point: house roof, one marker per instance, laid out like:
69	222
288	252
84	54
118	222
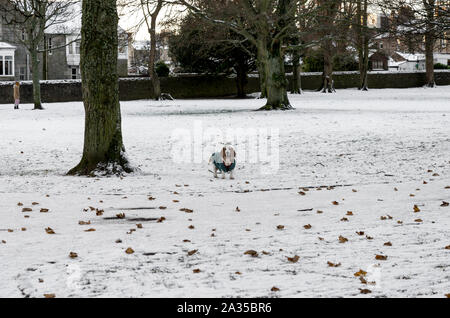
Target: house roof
7	46
412	57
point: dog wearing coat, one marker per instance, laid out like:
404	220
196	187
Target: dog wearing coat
224	161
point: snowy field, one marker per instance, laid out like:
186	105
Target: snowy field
352	166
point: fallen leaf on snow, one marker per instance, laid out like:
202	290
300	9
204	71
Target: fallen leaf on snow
343	239
360	233
365	291
49	230
388	244
416	209
190	253
44	210
73	255
120	216
90	230
360	273
49	295
196	271
294	259
307	226
161	219
129	251
84	222
331	264
335	203
251	253
280	227
381	257
275	289
186	210
27	210
139	226
444	204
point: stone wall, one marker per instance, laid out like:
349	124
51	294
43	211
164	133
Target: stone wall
193	86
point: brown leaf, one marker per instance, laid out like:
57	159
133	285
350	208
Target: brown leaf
27	210
73	255
365	291
360	233
418	220
369	237
275	289
120	216
319	211
186	241
90	230
447	247
447	295
416	209
302	193
3	242
44	210
23	229
163	208
400	222
388	244
335	203
186	210
49	295
99	212
175	201
35	203
20	204
118	241
196	271
151	198
354	190
307	226
84	222
161	219
237	209
252	253
344	220
190	253
191	227
381	257
349	213
294	259
139	226
280	227
129	251
331	264
49	230
360	273
444	204
343	239
10	230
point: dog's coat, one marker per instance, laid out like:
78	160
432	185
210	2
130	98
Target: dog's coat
224	161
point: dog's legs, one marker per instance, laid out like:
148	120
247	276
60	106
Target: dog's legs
215	172
223	174
232	175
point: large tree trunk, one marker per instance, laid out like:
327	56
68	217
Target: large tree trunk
261	62
276	82
241	79
36	83
327	75
152	61
429	60
296	74
103	153
363	43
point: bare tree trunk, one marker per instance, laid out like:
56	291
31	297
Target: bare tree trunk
241	79
296	72
363	43
327	75
261	61
152	61
104	152
429	60
36	83
276	82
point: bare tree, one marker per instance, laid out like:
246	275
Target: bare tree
33	18
265	24
426	22
104	152
362	42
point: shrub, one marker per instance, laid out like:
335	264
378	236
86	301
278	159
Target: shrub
439	66
162	69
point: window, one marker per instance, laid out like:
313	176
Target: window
49	46
377	65
22	73
6	65
448	62
77	47
74	73
381	45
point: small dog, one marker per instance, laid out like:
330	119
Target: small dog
224	161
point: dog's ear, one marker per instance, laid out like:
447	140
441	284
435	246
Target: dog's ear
233	153
223	152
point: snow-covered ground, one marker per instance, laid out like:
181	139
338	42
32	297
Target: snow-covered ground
376	148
